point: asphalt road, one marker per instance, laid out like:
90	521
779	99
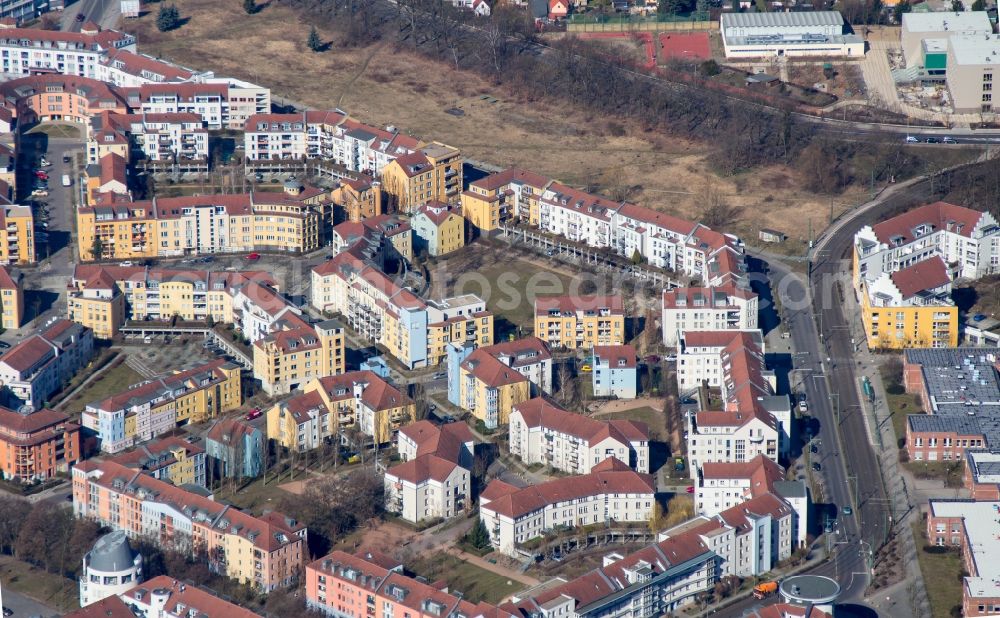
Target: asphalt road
23	607
103	12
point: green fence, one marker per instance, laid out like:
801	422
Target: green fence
662	23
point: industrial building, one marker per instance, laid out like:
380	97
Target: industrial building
814	33
924	36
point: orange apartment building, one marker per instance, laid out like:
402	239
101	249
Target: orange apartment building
36	445
48	97
266	552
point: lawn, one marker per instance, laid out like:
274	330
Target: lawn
111	382
46	588
653	418
476	584
950	472
257	495
901	406
941	574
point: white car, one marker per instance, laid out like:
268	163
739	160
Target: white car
912	140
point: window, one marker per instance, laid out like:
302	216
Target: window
987	98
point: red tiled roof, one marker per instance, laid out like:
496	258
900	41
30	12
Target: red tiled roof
506	177
939	216
437	212
6	280
760	472
113	168
616	354
490	371
444	440
523	351
188	595
657	218
24	355
536	497
109	607
39	420
926	275
709	296
377	395
709	338
229	430
137	63
423	468
540	412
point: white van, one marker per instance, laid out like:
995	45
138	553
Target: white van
66	181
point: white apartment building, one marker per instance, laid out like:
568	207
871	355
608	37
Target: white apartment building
127	69
967	240
41	364
25	51
699	358
208	101
109	569
611	492
433	480
160	137
576	215
331	136
727	307
721	486
753	420
243	99
541	432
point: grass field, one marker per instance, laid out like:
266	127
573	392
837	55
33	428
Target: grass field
653	418
901	406
256	495
46	588
111	382
941	575
476	584
383	85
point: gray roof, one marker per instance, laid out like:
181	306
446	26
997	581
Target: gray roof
960	381
111	553
790	489
782	20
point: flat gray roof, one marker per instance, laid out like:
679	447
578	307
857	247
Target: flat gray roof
782	20
948	21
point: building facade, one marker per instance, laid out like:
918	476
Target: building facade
727	307
40	365
580	323
614	372
111	568
37	445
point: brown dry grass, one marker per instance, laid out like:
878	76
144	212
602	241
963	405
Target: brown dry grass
381	85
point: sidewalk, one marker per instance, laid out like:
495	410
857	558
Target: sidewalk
493	568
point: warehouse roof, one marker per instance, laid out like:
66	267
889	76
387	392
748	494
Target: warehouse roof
782	20
948	21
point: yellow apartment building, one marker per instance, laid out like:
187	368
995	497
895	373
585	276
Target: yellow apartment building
172	459
11	299
360	198
572	323
474	328
329	406
490	201
437	229
434	172
17	244
285	360
489	389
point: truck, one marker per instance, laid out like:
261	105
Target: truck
764	589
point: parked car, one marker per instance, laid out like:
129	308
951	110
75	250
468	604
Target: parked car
253	257
4	345
254	413
932	140
912	140
67	159
979	317
816	466
41	174
40	192
80	17
43	162
847	510
949	140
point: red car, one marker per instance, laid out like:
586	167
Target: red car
254	413
253	257
42	175
690	489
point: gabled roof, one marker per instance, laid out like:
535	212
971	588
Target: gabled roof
937	216
573	304
541	412
926	275
377	394
490	371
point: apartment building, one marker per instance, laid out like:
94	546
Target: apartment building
959	390
163	597
235	448
727	307
432	173
699	357
971	526
17	245
529	356
542	432
265	552
243	100
434	480
359	197
36	445
331	136
208	101
111	567
572	322
49	97
367	584
504	197
26	51
489	388
284	360
415	331
128	69
721	486
899	278
157	137
104	296
611	492
11	299
107	179
438	229
156	406
41	364
330	406
614	372
379	238
176	460
165	227
753	420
